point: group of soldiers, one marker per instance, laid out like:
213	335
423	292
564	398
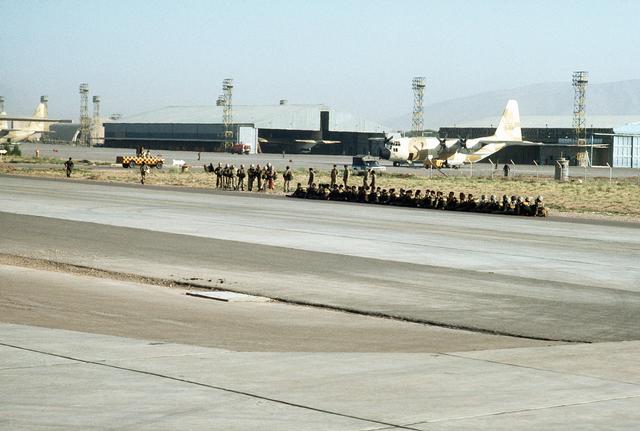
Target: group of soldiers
430	199
263	178
259	178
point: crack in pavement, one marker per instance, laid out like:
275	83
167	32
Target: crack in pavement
205	385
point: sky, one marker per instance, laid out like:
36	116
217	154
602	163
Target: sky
356	56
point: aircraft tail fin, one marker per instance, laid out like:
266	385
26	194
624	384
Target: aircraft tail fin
40	112
509	127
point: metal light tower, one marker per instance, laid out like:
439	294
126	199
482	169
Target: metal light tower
85	123
96	123
1	103
580	80
227	112
417	123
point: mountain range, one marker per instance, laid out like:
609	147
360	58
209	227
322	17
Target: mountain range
546	104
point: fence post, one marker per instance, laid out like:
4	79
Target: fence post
514	168
610	172
492	168
536	163
585	173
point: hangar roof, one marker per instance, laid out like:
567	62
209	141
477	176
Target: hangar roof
288	117
631	128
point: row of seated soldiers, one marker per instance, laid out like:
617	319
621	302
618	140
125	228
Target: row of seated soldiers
432	199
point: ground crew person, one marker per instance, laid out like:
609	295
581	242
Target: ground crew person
144	170
334	176
232	177
68	166
241	174
506	170
287	176
345	176
372	178
312	176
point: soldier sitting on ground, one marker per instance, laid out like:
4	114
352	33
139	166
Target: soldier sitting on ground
299	192
452	202
540	210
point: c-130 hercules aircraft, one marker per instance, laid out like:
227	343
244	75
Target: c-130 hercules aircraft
443	152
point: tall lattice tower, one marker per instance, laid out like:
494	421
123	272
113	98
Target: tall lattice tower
85	122
417	123
1	103
96	123
580	80
227	112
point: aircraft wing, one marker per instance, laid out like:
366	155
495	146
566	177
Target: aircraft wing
316	141
540	144
33	119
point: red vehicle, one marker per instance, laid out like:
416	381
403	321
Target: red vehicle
240	149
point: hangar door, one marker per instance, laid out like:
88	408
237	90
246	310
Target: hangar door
248	135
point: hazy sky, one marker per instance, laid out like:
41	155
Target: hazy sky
357	56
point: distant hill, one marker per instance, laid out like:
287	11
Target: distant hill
607	105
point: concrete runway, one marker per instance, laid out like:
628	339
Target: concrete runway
62	380
518	276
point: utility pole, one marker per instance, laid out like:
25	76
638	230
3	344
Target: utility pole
84	115
580	80
417	123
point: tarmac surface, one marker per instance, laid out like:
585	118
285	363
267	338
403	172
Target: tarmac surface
62	380
526	277
387	318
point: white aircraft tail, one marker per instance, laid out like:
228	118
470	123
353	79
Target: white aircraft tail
509	127
40	112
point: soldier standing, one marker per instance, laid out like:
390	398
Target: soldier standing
312	176
372	177
334	176
365	178
232	177
251	173
287	176
144	170
259	177
241	174
506	170
68	166
218	172
345	176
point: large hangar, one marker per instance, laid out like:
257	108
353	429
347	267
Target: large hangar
271	128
